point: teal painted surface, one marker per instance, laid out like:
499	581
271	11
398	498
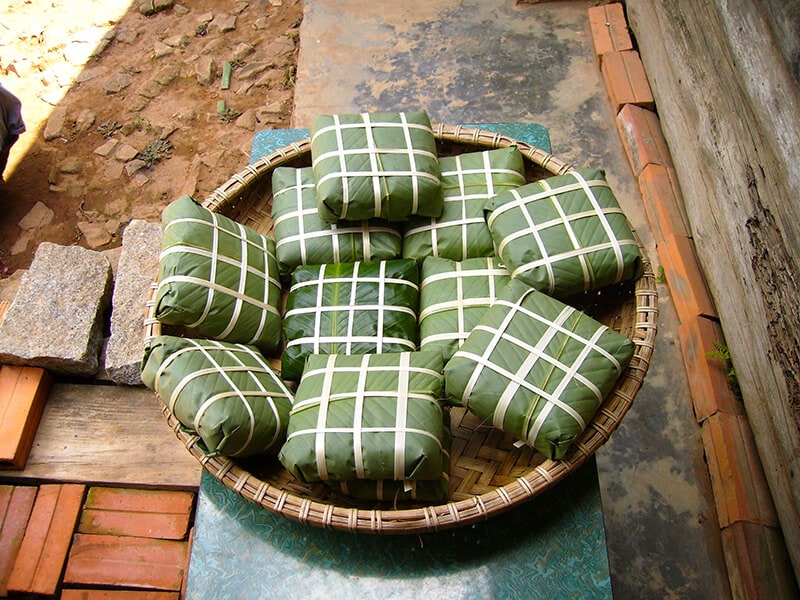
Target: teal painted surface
553	547
270	140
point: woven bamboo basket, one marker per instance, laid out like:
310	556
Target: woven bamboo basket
488	473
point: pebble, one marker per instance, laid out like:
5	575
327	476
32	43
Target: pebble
71	165
39	216
55	124
125	153
205	70
225	23
107	148
117	82
160	50
205	18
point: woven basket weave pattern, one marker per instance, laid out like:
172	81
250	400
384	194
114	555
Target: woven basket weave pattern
488	473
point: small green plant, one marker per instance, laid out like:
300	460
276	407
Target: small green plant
661	277
723	353
154	151
108	128
201	30
229	115
289	80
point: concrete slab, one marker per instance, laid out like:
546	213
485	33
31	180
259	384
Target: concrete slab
472	61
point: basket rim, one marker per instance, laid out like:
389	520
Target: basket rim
435	517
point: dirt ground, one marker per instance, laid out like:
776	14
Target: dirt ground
124	110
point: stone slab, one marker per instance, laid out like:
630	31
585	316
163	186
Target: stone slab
55	321
136	270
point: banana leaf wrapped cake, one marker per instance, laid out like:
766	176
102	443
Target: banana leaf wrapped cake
374	418
303	238
350	308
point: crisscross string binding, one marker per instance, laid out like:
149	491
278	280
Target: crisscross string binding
464	201
459	303
323	342
373	153
400	395
537	352
252	366
522	474
241	298
565	221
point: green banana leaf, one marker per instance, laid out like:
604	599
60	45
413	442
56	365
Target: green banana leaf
564	235
468	181
350	308
375	417
375	165
217	277
454	296
303	238
536	368
226	393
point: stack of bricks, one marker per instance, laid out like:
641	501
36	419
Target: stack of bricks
70	541
746	514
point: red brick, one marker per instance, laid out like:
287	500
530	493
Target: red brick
609	29
23	392
626	81
708	379
737	477
685	278
145	513
117	595
663	202
40	561
123	561
16	503
644	142
758	562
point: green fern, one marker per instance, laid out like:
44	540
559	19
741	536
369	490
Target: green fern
723	353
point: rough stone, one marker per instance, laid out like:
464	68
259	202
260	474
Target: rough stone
125	153
273	79
215	46
85	120
55	321
134	166
160	50
39	216
117	82
138	266
138	104
163	4
205	18
225	23
250	70
180	10
281	47
94	233
55	124
261	23
89	74
107	148
127	36
21	244
113	169
177	41
247	120
243	50
166	75
149	89
71	165
139	179
9	285
205	70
